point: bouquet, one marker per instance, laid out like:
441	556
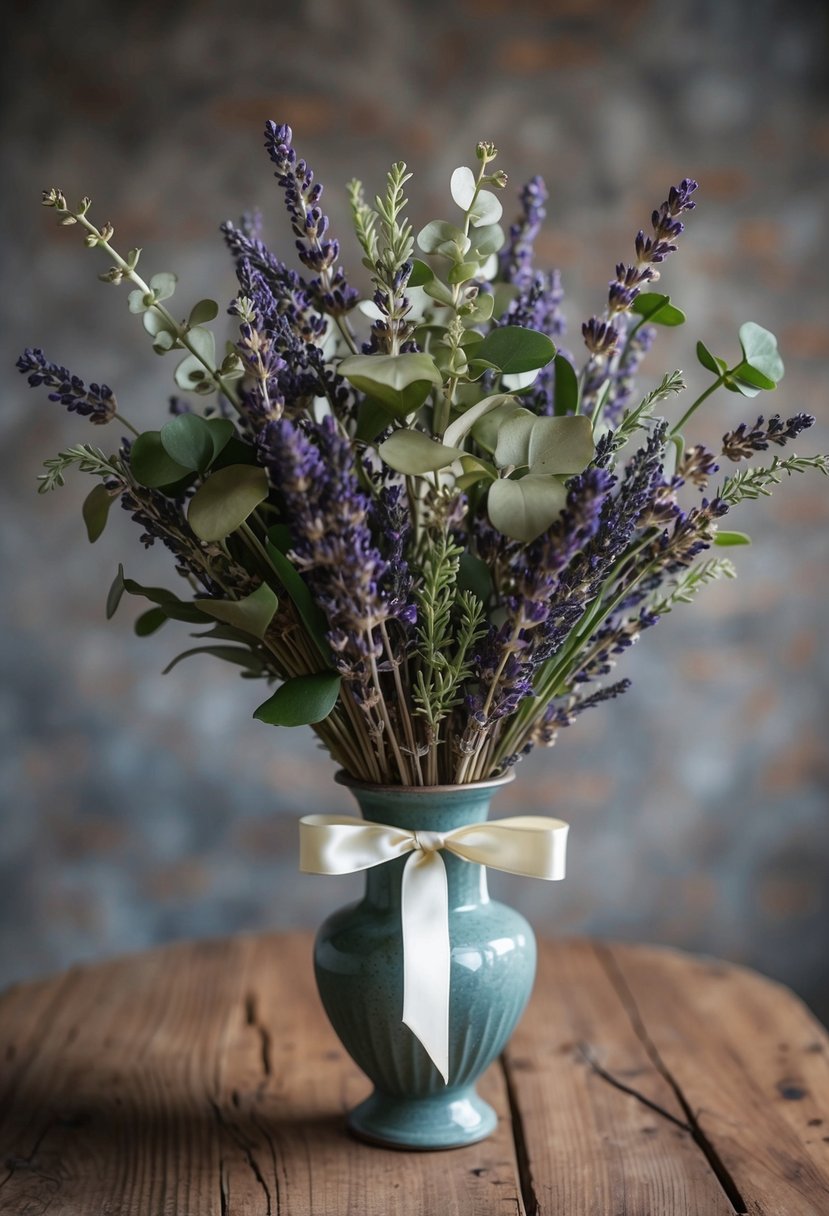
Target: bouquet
429	527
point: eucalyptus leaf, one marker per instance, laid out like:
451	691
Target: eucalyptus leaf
95	511
522	509
760	350
138	301
163	285
372	420
480	310
462	272
201	313
485	430
708	361
252	615
187	439
151	464
727	539
566	392
151	620
115	593
751	376
456	430
561	445
462	186
226	499
302	700
658	309
163	341
230	654
441	237
155	323
486	209
487	239
400	382
222	431
512	348
192	376
203	344
421	274
413	453
437	290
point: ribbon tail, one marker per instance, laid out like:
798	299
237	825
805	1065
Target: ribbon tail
427	955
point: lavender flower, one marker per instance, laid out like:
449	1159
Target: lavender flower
302	195
94	401
742	443
516	258
313	470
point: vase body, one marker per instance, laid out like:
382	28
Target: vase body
358	959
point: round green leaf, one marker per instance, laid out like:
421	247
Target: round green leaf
441	237
151	464
437	290
760	350
487	239
512	348
203	344
204	311
95	511
456	430
561	445
226	499
421	274
192	376
188	440
414	453
222	431
400	382
163	285
115	593
525	508
462	186
301	700
486	209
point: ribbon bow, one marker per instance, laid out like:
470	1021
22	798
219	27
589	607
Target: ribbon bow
531	845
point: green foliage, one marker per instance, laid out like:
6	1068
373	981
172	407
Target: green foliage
83	457
302	700
511	349
189	441
252	614
657	309
443	646
96	510
633	420
760	482
685	588
728	539
414	453
522	509
226	499
400	383
230	654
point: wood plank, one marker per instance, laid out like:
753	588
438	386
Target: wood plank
752	1064
603	1133
204	1079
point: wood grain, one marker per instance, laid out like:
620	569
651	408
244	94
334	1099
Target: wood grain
203	1080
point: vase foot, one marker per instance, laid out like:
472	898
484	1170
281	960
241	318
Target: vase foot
448	1120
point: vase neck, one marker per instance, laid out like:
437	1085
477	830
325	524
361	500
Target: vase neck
439	810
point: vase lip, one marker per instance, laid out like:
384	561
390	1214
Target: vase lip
353	783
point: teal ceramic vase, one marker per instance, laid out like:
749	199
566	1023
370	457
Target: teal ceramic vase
358	959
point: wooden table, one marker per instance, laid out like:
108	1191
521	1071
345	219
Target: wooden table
203	1080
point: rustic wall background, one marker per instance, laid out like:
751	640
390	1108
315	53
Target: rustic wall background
137	808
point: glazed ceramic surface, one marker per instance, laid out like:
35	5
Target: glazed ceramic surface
359	967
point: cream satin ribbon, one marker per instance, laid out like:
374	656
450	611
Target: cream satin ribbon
531	845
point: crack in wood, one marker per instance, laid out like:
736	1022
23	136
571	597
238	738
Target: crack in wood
242	1143
614	973
628	1089
252	1019
526	1182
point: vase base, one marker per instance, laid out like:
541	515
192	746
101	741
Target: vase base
448	1120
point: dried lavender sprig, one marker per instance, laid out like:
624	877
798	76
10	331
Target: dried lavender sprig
94	401
745	440
515	260
602	335
309	224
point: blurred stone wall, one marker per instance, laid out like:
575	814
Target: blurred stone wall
137	808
